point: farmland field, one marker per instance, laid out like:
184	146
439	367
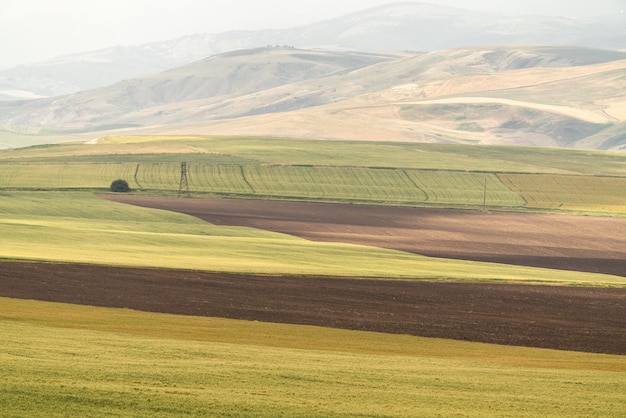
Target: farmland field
403	174
590	194
589	319
82	228
61	360
577	193
349	238
565	242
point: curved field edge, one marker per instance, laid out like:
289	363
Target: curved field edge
126	362
82	228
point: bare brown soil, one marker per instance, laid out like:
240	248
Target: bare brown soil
567	318
565	242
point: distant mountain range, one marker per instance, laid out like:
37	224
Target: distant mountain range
181	93
403	26
402	72
515	95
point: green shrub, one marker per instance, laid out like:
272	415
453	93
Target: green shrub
120	186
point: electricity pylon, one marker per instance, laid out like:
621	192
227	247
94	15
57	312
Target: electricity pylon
183	187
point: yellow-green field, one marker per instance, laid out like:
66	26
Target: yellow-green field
407	174
68	360
64	360
80	227
574	193
293	151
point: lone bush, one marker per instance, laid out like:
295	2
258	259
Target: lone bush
120	186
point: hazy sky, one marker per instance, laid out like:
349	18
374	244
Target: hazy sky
35	30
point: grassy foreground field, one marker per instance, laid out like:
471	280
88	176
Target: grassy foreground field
93	361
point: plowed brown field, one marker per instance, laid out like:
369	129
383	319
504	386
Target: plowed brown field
568	318
565	242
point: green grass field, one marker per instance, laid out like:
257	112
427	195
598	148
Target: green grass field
574	193
83	228
293	151
406	174
46	225
68	360
64	360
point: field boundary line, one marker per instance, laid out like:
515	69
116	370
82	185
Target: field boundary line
404	171
135	176
245	180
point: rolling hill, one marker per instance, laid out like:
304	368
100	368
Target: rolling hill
516	95
228	75
411	26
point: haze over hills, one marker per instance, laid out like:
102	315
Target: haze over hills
144	101
520	95
474	95
405	72
410	26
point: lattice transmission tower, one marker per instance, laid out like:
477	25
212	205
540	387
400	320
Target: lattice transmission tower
183	187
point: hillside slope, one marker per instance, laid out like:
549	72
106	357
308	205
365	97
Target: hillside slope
522	95
581	107
411	26
219	77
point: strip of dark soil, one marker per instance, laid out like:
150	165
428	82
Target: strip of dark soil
567	318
